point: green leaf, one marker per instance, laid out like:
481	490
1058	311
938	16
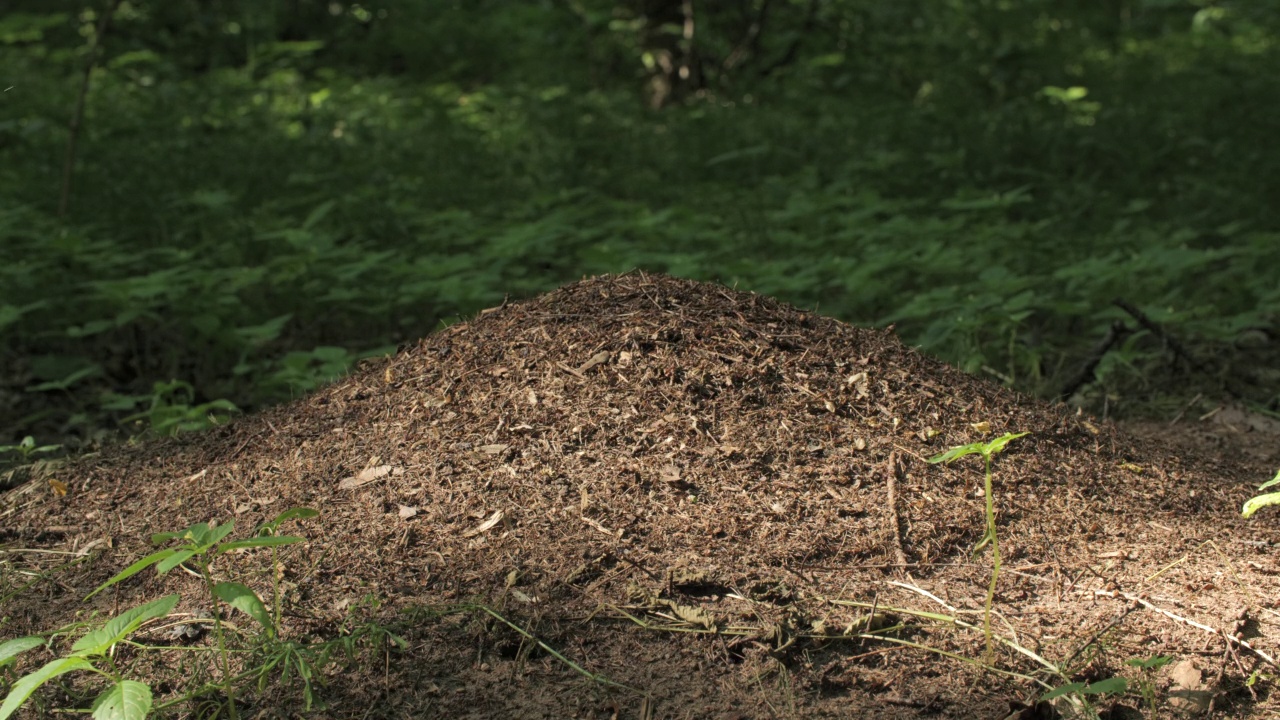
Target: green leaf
119	627
126	700
191	533
1062	690
9	649
1273	481
1256	504
206	535
1110	685
997	445
957	452
133	569
269	541
1152	663
245	600
300	513
27	684
178	557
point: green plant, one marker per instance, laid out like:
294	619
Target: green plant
987	450
125	699
1108	686
171	409
1257	503
25	449
1117	685
130	699
1146	682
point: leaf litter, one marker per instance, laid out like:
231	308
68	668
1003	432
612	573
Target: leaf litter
693	505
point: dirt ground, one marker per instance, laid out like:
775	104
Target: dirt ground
717	506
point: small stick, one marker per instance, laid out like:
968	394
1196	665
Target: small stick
1114	622
69	162
1117	332
1230	638
892	472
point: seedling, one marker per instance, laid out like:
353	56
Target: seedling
1110	686
123	699
1146	683
987	450
1261	501
130	699
25	449
1118	685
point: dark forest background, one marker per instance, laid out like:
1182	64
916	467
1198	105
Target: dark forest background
258	193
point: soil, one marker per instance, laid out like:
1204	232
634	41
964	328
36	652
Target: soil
716	505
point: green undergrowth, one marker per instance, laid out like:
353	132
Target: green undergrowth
246	226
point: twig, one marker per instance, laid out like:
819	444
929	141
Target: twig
1120	616
794	48
1230	638
1185	408
69	163
1117	332
892	472
1169	341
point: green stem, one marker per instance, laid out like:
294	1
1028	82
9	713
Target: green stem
995	561
227	686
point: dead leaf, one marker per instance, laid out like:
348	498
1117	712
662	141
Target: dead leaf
527	599
497	449
59	487
407	511
1189	692
983	427
365	476
595	360
694	615
494	519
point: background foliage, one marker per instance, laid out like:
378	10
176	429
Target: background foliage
266	191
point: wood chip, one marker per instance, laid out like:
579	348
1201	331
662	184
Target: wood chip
494	519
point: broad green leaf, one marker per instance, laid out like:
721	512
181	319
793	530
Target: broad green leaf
268	541
119	627
300	513
133	569
27	684
126	700
1062	690
188	534
957	452
245	600
9	649
1273	481
1256	504
997	445
206	535
1110	685
1152	663
177	558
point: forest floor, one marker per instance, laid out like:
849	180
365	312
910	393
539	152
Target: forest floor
641	497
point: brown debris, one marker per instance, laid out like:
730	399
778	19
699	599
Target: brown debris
672	484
